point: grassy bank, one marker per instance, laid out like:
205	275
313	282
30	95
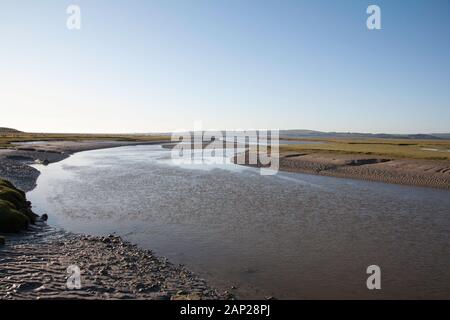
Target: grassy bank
404	148
7	138
15	210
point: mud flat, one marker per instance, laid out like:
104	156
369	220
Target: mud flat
426	173
34	266
416	172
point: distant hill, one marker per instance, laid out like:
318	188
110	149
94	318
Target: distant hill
442	135
300	133
320	134
9	130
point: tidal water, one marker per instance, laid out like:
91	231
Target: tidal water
291	235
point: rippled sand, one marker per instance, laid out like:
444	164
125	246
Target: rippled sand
34	266
426	173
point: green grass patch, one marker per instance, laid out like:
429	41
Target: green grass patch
7	138
414	149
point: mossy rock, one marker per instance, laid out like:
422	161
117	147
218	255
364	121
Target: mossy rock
12	220
4	183
15	210
13	196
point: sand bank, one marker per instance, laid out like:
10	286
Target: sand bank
415	172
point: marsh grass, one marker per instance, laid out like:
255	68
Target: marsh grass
7	138
399	148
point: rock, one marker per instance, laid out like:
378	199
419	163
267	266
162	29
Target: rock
41	288
105	240
191	296
28	286
44	162
15	212
2	240
161	296
44	217
103	272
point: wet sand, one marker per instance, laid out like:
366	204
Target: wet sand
414	172
425	173
33	265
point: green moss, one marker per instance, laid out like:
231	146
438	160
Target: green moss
4	183
13	196
15	211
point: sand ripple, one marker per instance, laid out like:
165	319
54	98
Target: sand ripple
34	266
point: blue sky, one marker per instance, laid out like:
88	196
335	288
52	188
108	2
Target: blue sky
144	66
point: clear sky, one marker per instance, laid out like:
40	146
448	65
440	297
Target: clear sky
145	66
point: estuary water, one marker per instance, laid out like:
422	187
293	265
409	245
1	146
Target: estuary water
291	235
